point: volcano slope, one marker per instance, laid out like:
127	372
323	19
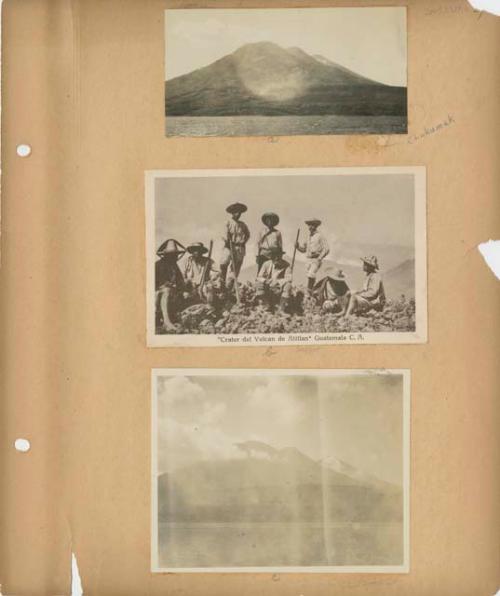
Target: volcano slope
264	79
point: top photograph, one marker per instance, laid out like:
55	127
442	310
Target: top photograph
274	72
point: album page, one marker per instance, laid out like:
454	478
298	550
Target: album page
249	343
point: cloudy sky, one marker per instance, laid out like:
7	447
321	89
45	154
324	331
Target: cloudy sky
371	41
359	212
355	418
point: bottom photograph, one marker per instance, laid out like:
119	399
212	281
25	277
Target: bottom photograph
280	470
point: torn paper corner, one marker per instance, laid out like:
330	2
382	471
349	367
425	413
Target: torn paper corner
491	6
76	582
491	254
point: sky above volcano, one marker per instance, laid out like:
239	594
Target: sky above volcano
356	418
371	41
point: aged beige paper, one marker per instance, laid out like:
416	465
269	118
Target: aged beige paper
83	84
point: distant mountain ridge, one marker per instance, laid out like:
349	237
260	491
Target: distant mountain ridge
279	485
265	79
401	280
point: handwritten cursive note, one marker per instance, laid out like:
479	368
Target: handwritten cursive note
423	134
428	131
452	9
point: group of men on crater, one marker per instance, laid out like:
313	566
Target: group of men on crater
201	281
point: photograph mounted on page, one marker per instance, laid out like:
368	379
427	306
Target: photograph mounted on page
280	470
282	71
286	256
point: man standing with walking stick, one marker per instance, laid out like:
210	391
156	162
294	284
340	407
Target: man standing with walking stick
316	249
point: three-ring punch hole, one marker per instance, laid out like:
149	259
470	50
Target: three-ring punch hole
22	445
23	150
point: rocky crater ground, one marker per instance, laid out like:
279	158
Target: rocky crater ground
303	316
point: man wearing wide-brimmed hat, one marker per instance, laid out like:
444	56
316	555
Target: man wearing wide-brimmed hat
199	273
274	281
316	249
372	296
332	292
269	239
236	236
169	283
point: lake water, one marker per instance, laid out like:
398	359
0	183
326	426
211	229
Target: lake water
279	544
242	126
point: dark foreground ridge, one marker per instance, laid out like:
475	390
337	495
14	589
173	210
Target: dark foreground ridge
305	317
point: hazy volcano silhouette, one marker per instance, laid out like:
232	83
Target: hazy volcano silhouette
264	79
275	485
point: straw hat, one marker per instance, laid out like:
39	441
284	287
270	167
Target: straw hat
237	208
313	222
198	247
270	218
171	247
338	275
372	261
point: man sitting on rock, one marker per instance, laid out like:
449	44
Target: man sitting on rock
372	296
199	275
332	292
274	281
169	283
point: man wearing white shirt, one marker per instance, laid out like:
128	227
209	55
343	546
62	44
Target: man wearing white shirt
316	249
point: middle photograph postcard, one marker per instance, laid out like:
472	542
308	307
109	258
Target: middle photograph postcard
286	256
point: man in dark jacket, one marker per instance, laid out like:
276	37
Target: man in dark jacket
332	292
169	283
